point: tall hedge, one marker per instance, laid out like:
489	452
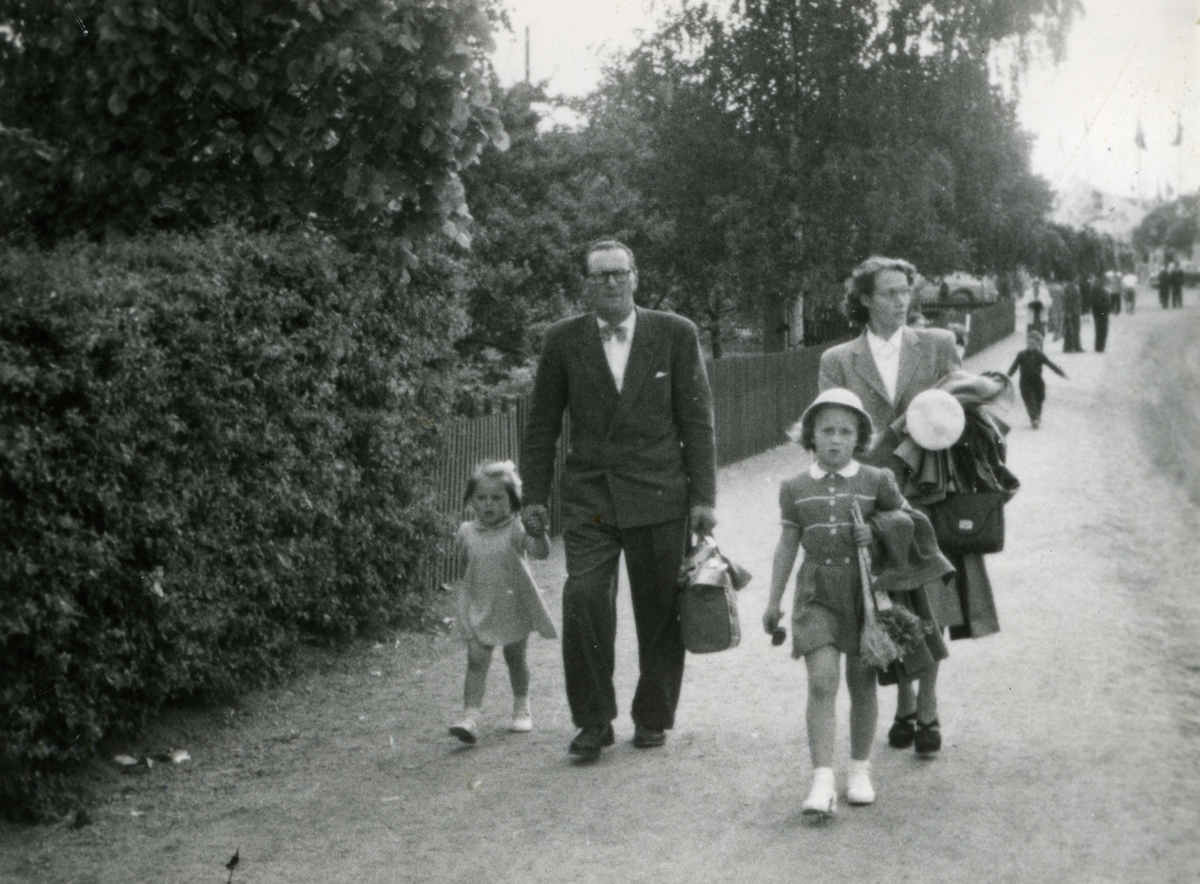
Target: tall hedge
209	448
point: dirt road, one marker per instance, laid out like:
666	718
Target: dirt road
1072	738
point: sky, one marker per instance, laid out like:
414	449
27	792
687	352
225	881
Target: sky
1127	61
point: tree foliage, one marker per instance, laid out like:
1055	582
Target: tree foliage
786	139
179	114
1173	227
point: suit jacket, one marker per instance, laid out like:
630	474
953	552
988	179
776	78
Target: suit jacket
638	457
926	356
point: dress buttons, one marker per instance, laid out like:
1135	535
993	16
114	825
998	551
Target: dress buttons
831	491
846	561
833	518
829	561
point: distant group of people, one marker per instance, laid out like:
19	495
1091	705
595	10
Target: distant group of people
640	480
1170	285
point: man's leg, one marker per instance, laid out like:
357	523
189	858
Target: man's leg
652	557
590	622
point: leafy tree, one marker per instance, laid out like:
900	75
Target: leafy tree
1173	227
127	114
790	138
536	205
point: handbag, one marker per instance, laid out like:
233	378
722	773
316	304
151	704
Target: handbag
970	522
708	611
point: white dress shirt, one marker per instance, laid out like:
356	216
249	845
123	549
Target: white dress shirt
887	359
617	351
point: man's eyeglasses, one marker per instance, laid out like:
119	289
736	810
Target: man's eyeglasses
609	276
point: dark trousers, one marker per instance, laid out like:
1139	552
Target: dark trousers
652	557
1101	321
1071	343
1176	297
1033	394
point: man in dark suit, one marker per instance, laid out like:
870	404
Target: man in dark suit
1176	283
640	474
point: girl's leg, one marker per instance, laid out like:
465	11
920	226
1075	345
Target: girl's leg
479	658
823	677
518	669
864	713
518	676
864	707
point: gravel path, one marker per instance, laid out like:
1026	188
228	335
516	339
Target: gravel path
1072	738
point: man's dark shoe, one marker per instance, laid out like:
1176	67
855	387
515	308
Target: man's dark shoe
648	737
589	741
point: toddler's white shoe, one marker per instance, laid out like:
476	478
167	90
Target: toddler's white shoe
522	723
466	730
822	798
858	783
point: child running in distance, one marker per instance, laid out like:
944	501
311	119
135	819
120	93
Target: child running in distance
498	603
1032	387
827	611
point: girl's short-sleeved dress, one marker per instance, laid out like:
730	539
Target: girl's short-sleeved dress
498	601
828	606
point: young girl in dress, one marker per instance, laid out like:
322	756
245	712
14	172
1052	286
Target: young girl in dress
499	604
827	610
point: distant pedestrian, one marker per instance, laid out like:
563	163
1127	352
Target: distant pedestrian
1112	285
828	607
1176	282
1032	386
1100	304
1129	291
1072	316
1036	323
1164	286
1054	313
498	602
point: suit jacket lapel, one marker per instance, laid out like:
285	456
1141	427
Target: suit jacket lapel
912	356
864	365
595	363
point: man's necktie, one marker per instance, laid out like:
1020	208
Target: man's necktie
612	331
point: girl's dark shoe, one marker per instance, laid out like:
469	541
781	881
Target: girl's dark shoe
902	731
928	738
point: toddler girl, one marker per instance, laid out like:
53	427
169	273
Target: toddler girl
499	604
827	611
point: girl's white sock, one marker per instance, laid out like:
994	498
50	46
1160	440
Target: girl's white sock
823	776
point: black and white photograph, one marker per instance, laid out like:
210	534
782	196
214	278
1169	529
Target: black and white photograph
565	442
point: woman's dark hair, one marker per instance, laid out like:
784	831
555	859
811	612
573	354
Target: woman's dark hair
861	284
802	430
506	472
